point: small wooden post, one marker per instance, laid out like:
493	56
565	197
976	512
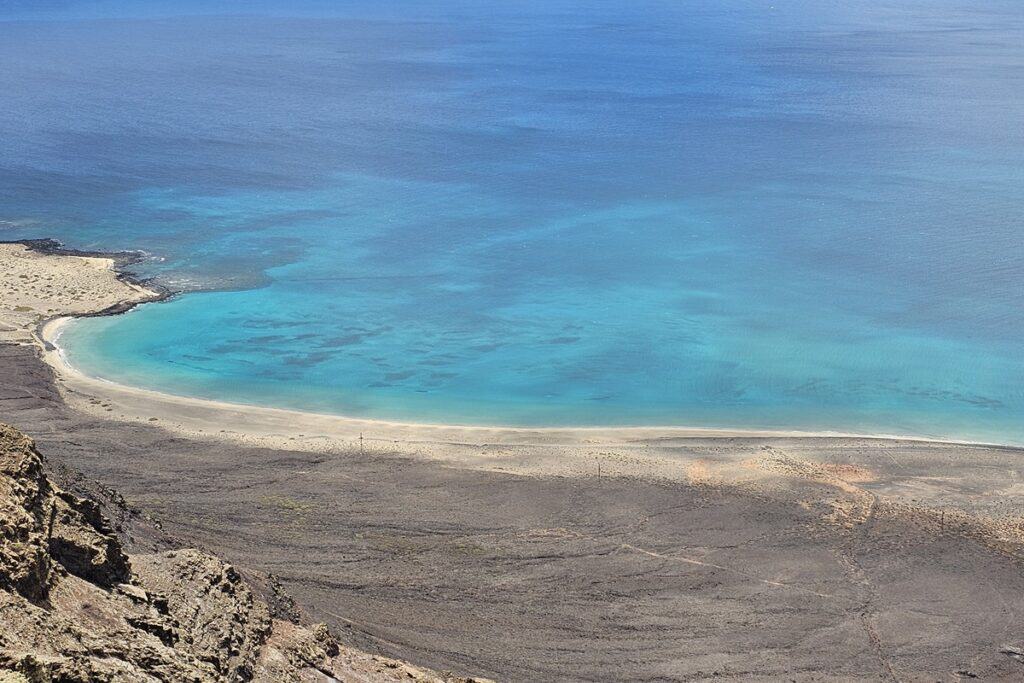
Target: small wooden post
360	443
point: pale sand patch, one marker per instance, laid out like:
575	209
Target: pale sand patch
35	287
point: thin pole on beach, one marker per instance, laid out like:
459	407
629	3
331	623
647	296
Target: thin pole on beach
360	443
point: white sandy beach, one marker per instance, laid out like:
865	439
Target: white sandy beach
42	293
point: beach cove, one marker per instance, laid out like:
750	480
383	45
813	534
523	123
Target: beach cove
694	543
93	285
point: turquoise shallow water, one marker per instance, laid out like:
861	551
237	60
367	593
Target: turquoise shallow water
672	213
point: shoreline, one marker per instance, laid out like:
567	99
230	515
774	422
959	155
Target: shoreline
49	332
267	425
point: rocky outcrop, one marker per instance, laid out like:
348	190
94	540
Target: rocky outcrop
25	505
74	607
215	615
46	531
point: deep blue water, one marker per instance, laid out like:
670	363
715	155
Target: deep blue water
751	214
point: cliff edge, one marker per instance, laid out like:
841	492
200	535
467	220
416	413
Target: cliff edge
74	606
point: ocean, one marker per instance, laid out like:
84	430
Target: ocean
791	215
